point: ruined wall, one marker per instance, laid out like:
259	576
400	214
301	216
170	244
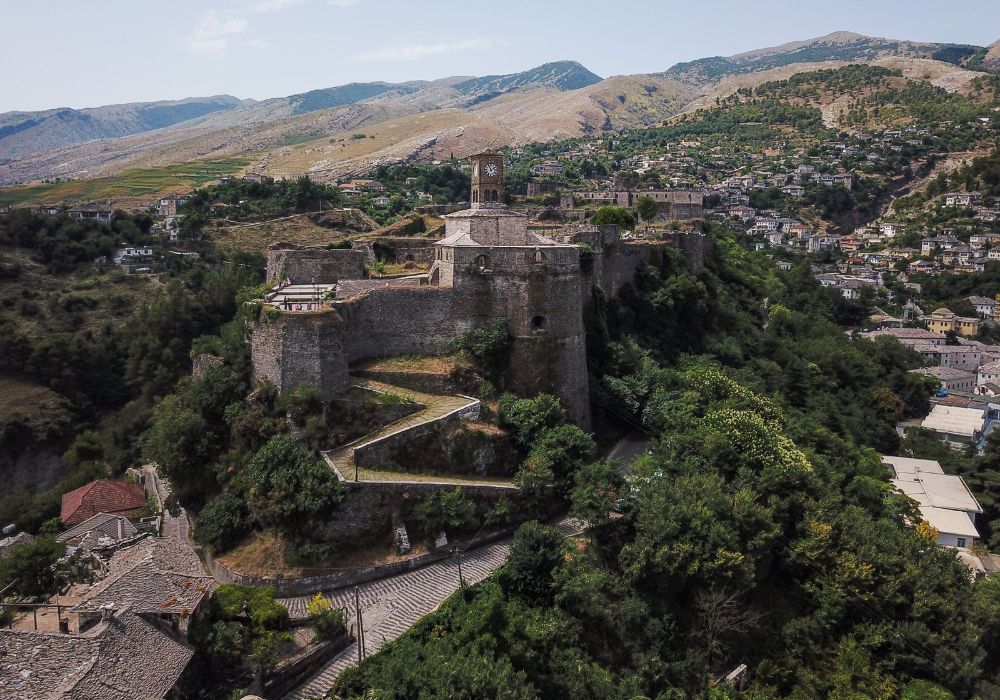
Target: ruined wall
306	265
615	265
402	250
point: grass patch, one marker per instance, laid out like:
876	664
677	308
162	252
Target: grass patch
131	183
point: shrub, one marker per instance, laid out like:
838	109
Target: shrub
528	418
445	511
488	347
325	619
535	553
223	522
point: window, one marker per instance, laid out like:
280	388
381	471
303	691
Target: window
539	257
482	262
960	541
538	323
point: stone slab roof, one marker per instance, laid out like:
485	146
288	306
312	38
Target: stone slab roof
8	543
531	240
124	658
101	496
101	529
156	575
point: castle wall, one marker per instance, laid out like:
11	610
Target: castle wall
301	348
615	265
418	250
306	265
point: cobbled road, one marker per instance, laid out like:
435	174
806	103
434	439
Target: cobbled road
392	606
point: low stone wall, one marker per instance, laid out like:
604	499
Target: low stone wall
378	453
308	585
287	678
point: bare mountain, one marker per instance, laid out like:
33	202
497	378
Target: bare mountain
25	133
320	132
838	46
992	57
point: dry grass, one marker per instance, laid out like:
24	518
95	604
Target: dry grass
39	405
425	478
263	554
300	231
416	364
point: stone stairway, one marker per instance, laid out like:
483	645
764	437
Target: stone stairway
392	606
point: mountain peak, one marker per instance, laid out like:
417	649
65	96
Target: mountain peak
561	75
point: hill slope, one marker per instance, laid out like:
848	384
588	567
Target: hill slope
561	75
319	131
838	46
25	133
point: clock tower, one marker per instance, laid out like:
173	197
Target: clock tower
487	181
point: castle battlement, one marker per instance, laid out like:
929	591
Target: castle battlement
489	267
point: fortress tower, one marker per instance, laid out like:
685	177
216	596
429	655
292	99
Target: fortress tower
488	268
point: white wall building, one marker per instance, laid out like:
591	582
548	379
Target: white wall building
945	500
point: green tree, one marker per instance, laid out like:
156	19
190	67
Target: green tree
535	553
613	215
223	522
290	487
647	208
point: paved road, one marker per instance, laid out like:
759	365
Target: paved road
392	606
629	447
173	526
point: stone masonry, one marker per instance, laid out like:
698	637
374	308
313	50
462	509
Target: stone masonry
489	267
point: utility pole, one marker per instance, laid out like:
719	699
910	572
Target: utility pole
357	616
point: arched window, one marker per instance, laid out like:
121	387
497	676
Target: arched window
475	196
482	262
538	257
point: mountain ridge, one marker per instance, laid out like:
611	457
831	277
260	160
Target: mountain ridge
460	114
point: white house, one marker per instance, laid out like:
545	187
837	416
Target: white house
984	306
944	500
954	425
123	255
951	379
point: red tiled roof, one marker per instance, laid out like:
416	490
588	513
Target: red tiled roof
101	496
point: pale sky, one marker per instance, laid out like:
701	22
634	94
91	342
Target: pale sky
86	53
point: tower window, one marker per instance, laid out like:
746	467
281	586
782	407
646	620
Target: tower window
539	257
482	262
538	323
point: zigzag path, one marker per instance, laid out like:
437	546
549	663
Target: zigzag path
341	460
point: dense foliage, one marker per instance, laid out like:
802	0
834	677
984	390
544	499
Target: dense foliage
761	529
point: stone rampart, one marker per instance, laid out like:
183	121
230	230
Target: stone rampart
319	265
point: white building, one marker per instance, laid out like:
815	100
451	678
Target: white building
951	379
944	500
123	255
956	426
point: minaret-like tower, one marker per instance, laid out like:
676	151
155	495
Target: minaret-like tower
487	180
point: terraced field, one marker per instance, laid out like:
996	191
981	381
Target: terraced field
141	183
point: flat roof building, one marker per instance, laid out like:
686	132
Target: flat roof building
944	500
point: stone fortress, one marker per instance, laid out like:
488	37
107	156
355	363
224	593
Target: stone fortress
489	267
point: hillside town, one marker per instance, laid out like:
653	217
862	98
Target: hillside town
678	405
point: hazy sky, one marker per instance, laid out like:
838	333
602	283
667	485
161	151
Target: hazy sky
85	53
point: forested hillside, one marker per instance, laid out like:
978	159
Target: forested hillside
759	530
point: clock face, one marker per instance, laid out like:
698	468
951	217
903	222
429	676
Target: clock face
490	169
